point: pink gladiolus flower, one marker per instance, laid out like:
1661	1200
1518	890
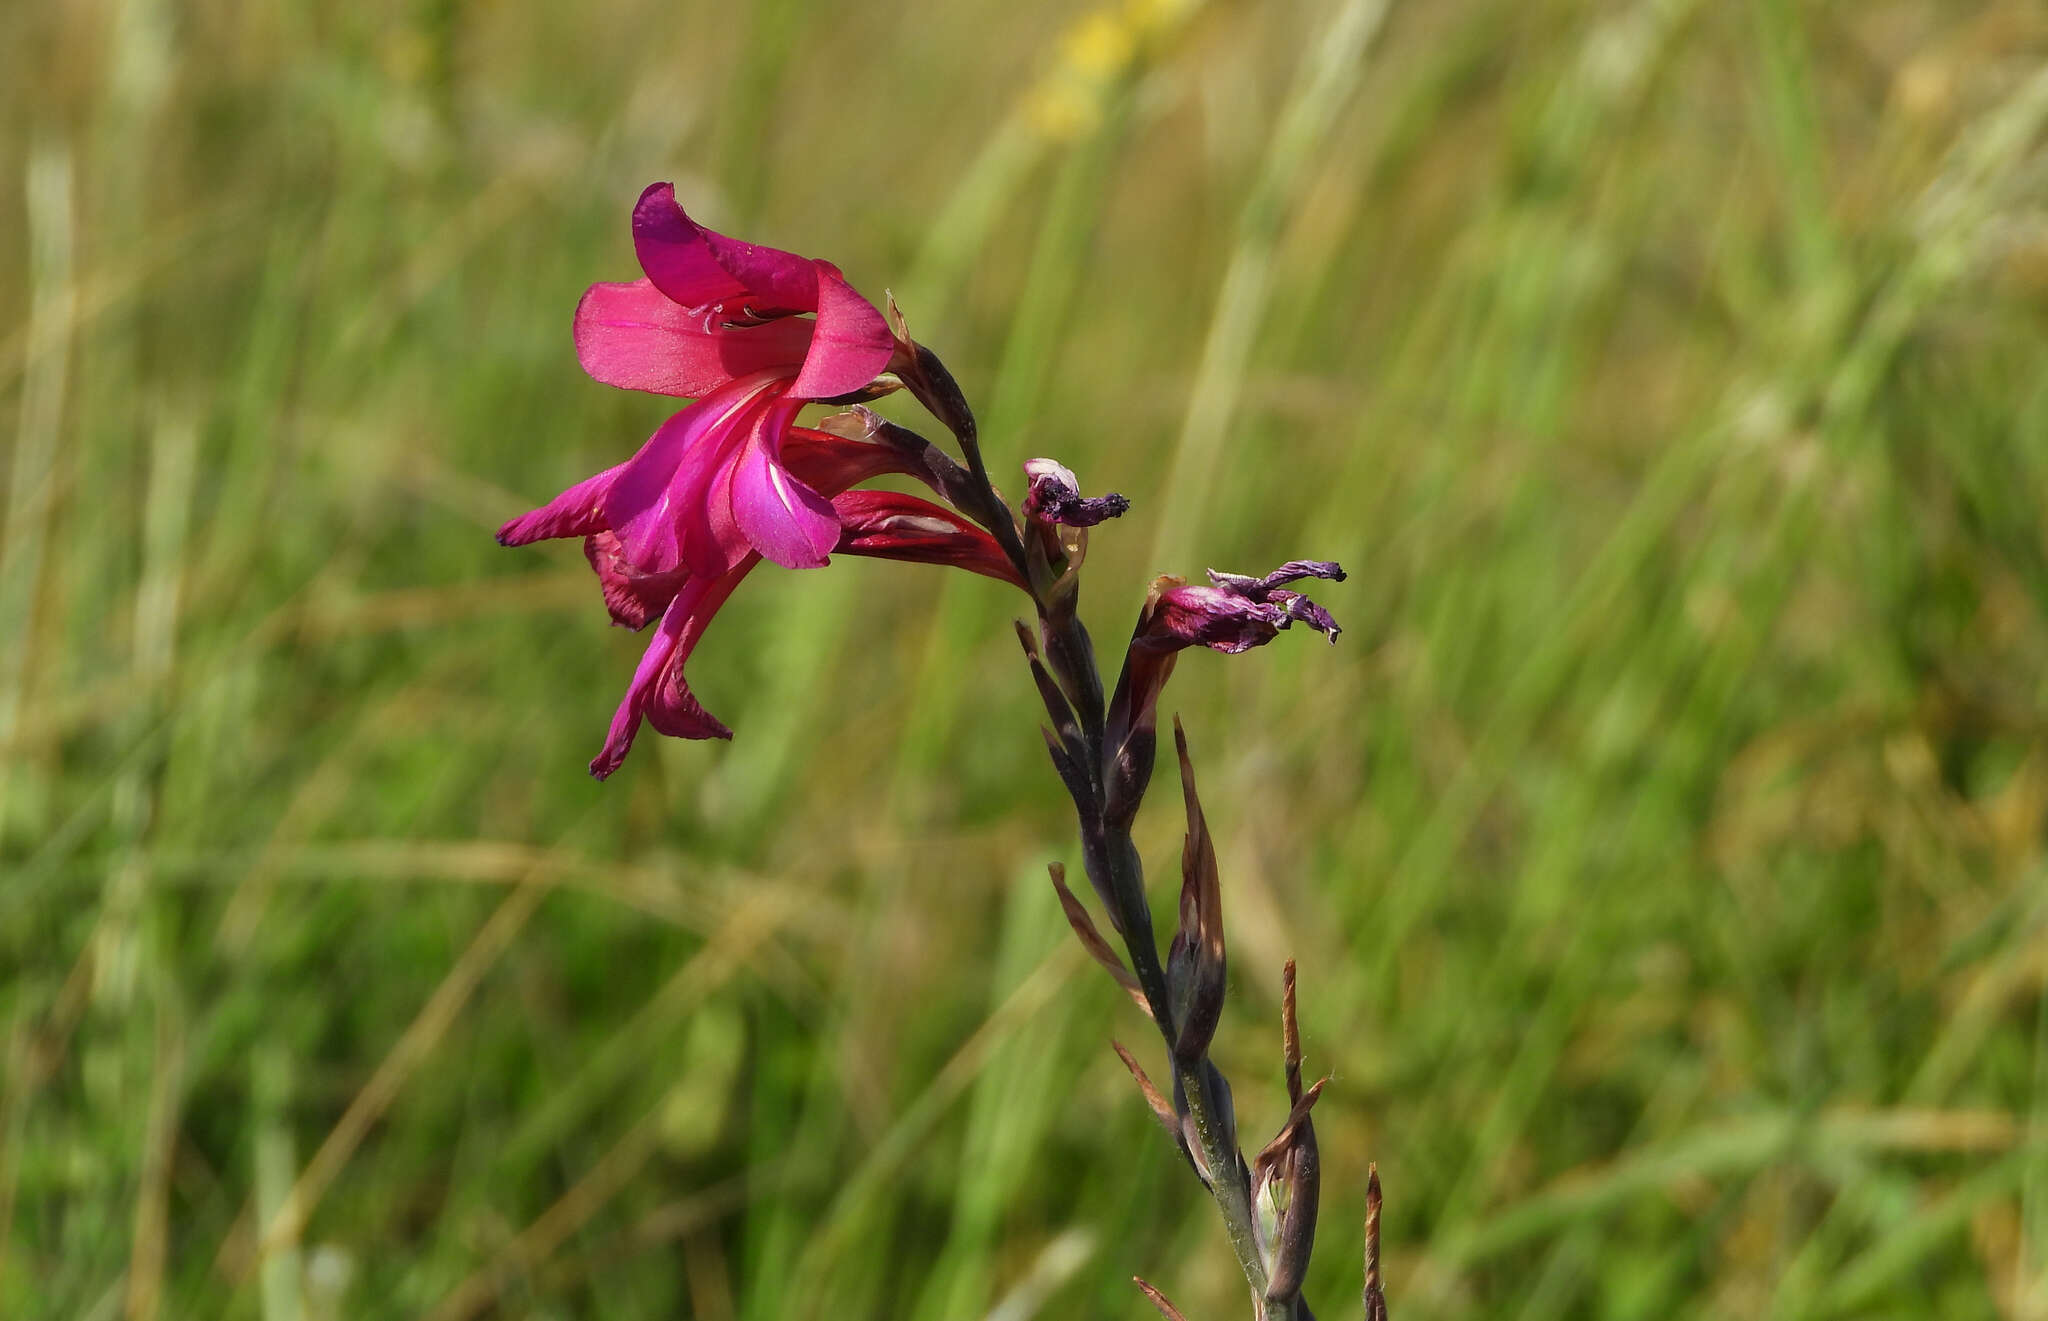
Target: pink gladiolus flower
752	334
728	324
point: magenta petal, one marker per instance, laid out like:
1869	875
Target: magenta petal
673	251
658	692
626	720
576	512
774	280
672	708
659	503
639	507
633	598
635	337
852	344
713	540
784	519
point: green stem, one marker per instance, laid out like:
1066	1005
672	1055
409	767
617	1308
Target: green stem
1219	1153
1114	852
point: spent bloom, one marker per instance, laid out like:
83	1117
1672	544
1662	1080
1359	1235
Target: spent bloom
1234	613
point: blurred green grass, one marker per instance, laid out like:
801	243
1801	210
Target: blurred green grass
1662	846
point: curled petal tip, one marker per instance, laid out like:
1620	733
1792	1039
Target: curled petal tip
1055	497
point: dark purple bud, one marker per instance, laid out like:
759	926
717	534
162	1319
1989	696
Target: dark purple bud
1195	966
1055	497
1290	1035
1056	704
1075	778
1131	730
927	378
1216	1099
1288	1186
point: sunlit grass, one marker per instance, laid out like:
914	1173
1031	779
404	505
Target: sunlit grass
1661	845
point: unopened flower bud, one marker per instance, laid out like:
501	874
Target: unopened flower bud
1287	1174
927	378
1195	965
1291	1184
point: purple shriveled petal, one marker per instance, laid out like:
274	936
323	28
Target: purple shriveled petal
1259	589
1240	611
1302	610
1233	615
1055	497
1222	620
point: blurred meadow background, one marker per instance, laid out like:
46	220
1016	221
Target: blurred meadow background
1662	845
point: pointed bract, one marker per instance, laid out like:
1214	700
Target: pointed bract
1195	963
1092	941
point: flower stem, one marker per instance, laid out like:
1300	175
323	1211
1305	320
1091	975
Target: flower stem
1226	1183
1114	864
